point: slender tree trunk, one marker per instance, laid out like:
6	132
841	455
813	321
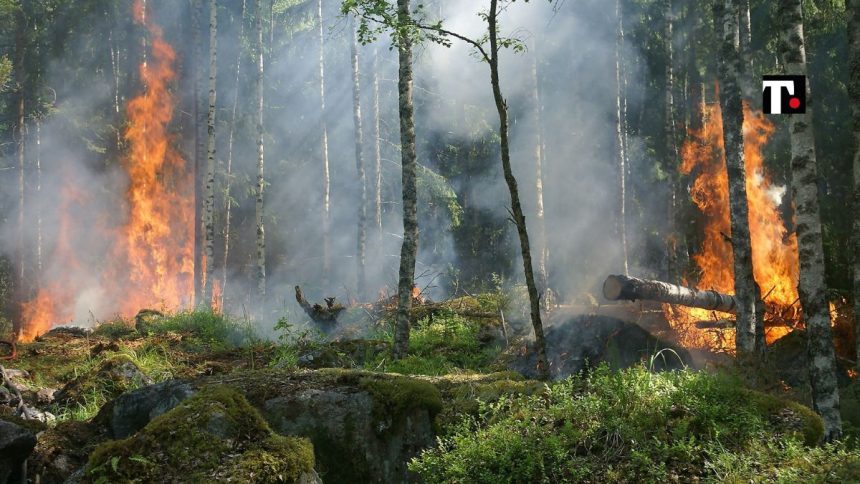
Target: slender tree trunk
696	96
516	207
199	147
619	132
260	273
732	112
114	63
377	158
21	128
409	163
853	14
38	206
209	188
326	205
673	242
228	205
543	275
361	238
748	87
804	188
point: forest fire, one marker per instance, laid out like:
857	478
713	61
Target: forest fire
774	249
150	261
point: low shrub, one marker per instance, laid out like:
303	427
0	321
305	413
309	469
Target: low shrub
635	426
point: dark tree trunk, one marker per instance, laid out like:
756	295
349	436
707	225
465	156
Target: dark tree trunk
516	207
409	162
21	129
733	117
853	14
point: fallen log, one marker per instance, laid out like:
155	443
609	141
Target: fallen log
618	287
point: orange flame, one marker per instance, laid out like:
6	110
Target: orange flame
774	250
151	262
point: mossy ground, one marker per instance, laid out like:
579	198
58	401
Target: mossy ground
181	346
216	434
629	425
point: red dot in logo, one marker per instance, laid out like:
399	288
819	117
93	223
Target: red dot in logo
794	103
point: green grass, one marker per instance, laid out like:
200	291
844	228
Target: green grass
208	327
446	344
635	426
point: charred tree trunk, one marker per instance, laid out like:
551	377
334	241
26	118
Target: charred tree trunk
361	238
326	176
409	162
516	207
619	133
260	269
748	86
853	14
228	178
620	287
209	188
732	112
672	237
804	188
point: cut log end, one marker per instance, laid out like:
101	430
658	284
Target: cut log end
613	287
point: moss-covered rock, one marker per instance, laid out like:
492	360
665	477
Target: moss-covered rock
216	434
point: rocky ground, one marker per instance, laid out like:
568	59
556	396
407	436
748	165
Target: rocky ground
194	397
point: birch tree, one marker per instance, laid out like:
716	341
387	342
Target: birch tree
619	133
326	176
377	157
209	183
398	19
361	237
409	165
732	112
199	146
542	249
260	266
804	189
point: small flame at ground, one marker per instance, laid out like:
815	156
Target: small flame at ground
774	250
151	263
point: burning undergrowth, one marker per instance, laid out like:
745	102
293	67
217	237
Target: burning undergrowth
145	241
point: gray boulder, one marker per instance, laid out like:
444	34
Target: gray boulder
131	411
16	444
